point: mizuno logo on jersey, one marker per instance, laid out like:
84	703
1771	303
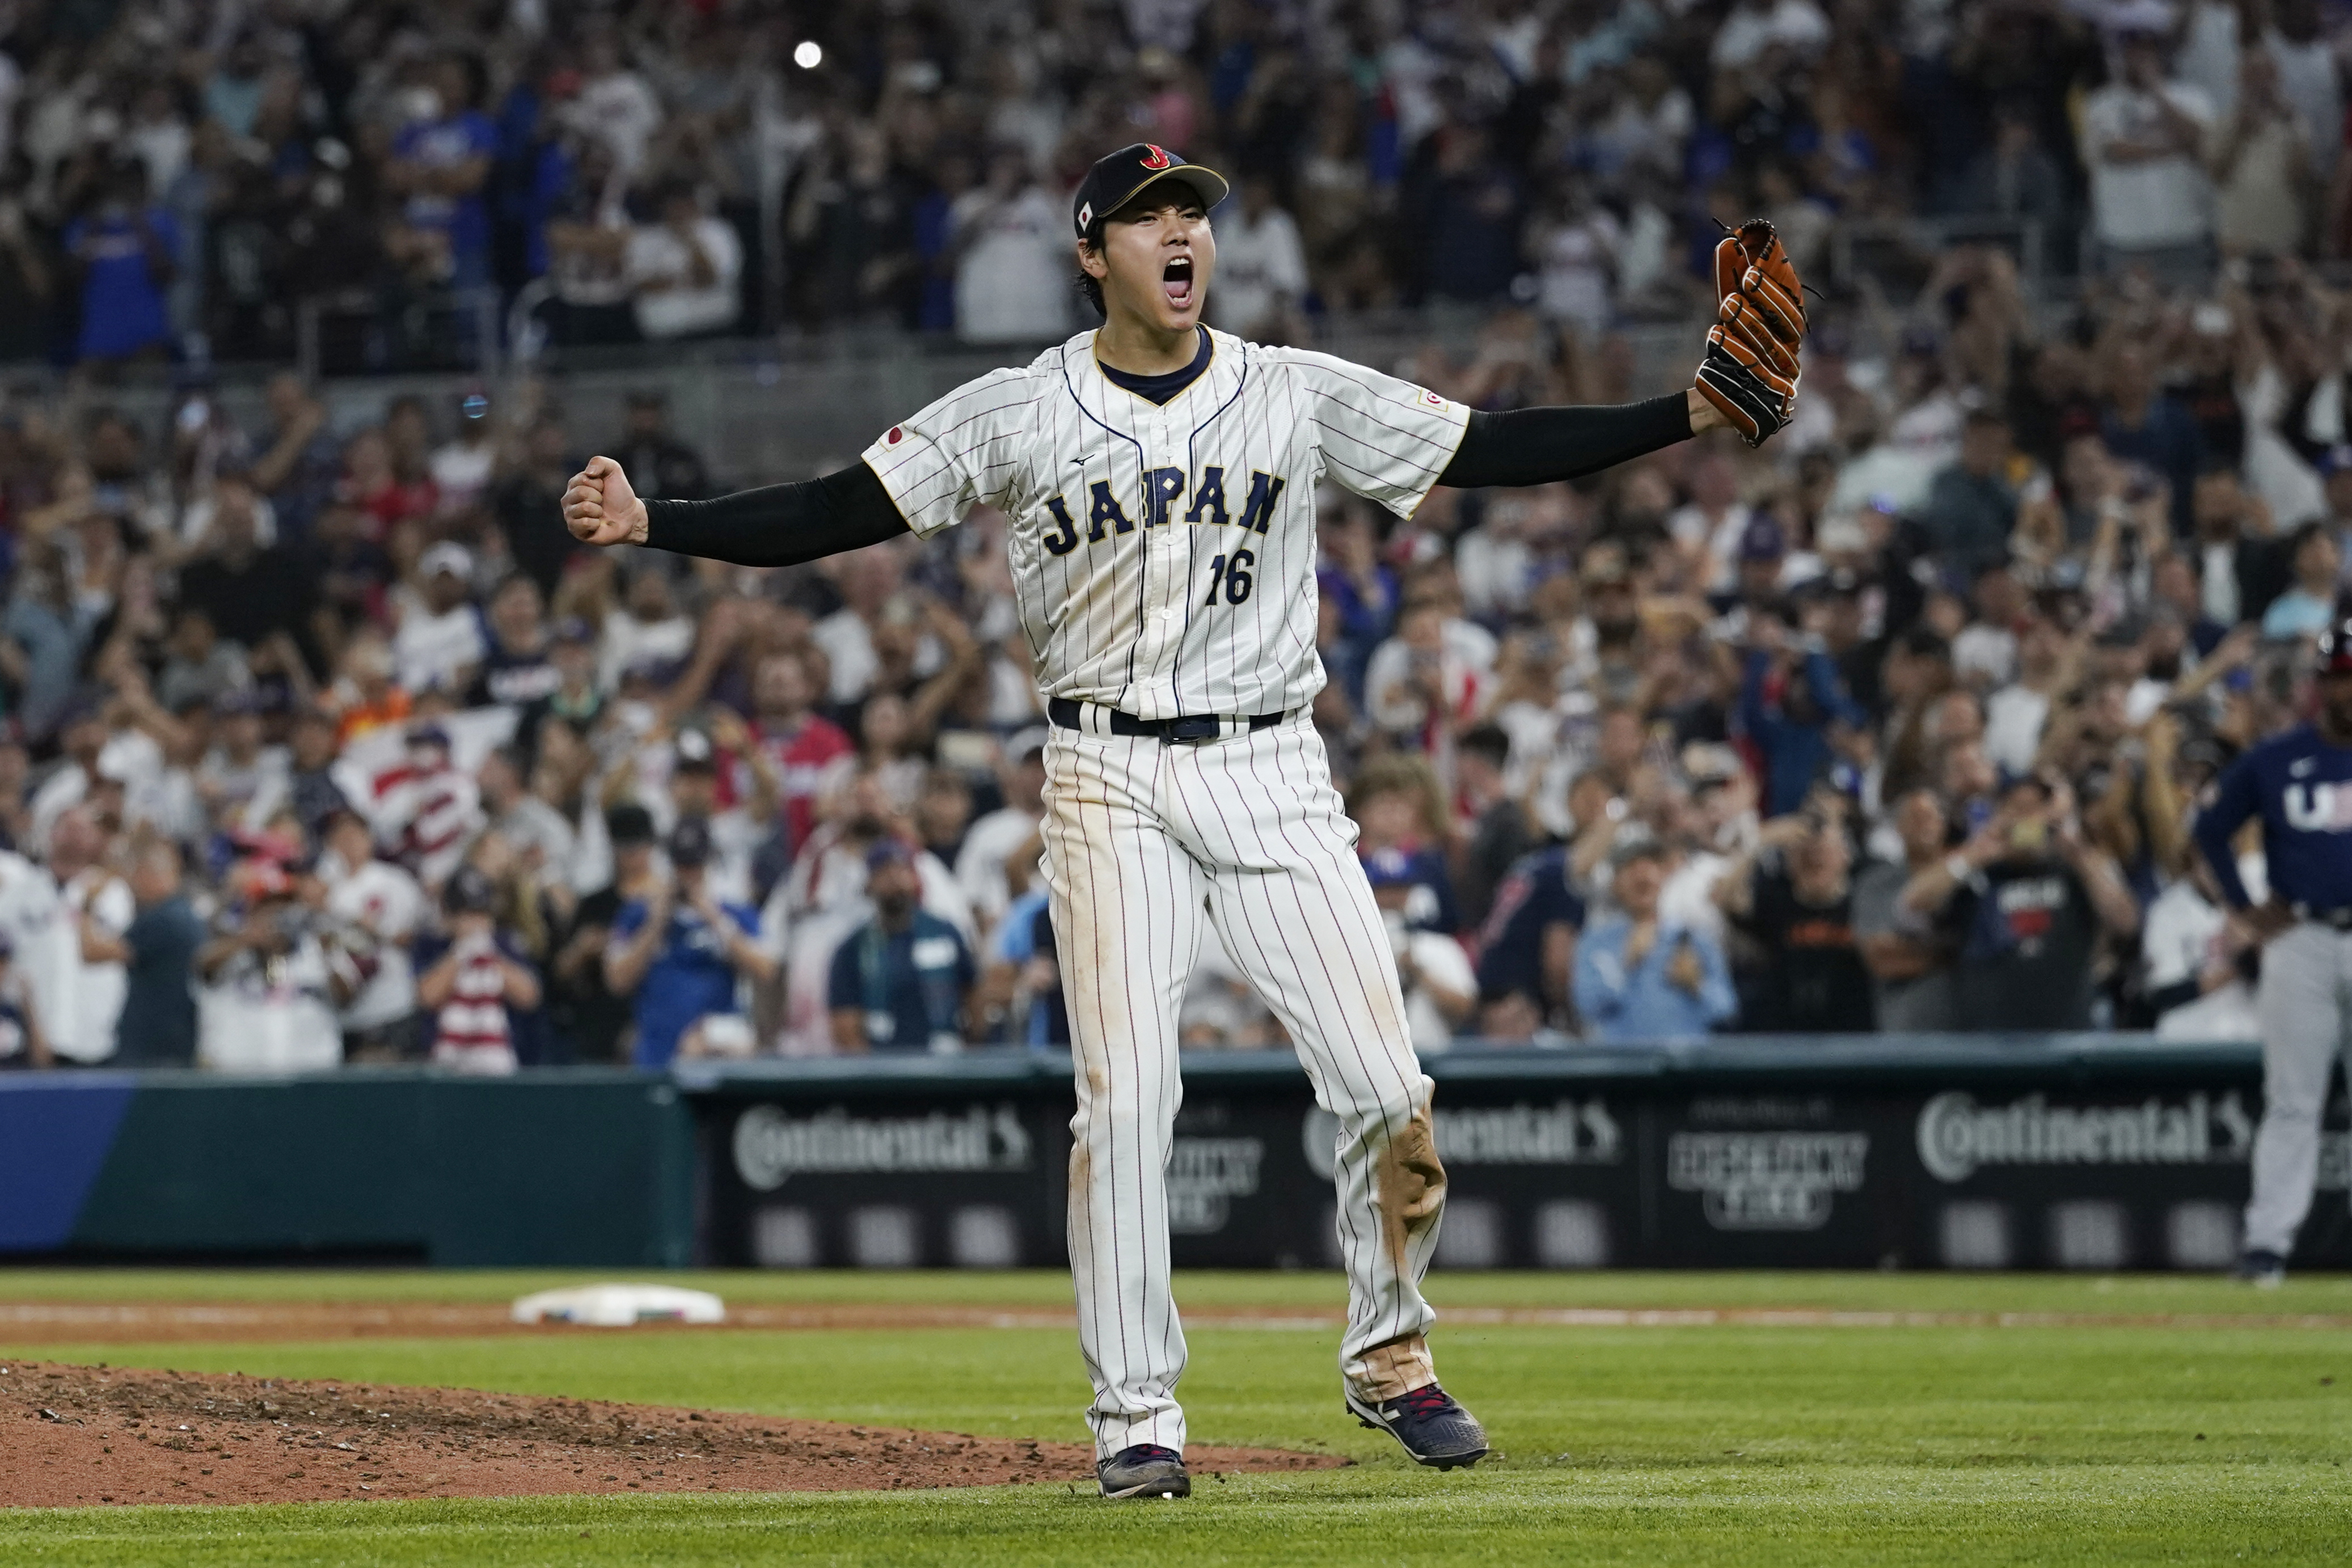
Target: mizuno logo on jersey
2319	808
1162	488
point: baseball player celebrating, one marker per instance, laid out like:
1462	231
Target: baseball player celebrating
1159	480
2300	785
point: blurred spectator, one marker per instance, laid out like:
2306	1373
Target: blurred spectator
2144	141
2015	177
1971	507
381	910
440	160
991	865
1640	978
1440	991
900	982
2308	605
1795	902
425	807
1492	826
2261	166
269	990
679	951
122	255
93	900
22	1043
156	1024
1014	267
1526	950
684	270
473	982
2029	899
440	642
674	470
1260	279
586	1010
1909	954
808	750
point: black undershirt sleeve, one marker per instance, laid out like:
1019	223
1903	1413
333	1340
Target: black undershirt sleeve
780	524
1544	445
784	525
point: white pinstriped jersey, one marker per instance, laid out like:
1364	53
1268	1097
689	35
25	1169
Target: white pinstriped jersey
1163	556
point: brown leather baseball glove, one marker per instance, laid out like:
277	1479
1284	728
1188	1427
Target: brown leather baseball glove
1751	368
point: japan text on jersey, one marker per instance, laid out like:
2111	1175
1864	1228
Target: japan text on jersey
1163	556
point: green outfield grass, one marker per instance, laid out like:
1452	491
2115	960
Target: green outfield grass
1721	1444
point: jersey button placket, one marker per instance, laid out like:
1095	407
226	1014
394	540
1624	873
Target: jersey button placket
1165	581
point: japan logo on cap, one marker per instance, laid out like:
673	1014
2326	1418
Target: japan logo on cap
1159	159
1086	214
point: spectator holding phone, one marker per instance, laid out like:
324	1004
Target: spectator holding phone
2030	899
1640	977
1793	899
678	950
473	984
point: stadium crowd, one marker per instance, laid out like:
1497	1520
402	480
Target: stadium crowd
323	744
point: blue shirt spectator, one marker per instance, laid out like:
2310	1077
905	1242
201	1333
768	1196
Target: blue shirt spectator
1025	940
442	164
1786	713
680	952
899	981
124	248
2144	425
1638	978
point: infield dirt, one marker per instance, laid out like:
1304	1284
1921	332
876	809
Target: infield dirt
77	1436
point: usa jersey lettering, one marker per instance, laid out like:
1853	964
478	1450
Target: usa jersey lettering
1126	516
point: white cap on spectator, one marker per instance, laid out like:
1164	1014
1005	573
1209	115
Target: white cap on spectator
454	558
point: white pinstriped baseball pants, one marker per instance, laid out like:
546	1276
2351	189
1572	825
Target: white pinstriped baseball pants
1145	842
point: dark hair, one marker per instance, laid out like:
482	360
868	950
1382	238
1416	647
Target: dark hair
1487	740
1090	288
2304	534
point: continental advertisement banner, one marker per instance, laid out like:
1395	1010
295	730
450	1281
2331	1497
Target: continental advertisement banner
1732	1156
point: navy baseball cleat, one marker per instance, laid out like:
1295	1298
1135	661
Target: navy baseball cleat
1430	1423
1145	1471
2263	1269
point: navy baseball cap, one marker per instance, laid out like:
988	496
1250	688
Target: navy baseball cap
1762	539
1120	178
2332	654
689	843
888	851
469	892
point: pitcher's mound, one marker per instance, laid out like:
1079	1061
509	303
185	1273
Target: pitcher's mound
82	1435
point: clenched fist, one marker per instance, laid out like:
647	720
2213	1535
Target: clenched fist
600	508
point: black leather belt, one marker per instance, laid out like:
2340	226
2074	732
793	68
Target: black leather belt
2339	918
1191	727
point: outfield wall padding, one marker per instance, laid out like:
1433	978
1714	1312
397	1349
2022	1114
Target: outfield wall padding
569	1166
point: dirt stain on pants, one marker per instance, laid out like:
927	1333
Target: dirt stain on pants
1410	1182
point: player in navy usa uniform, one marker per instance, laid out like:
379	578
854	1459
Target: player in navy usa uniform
2299	785
1158	478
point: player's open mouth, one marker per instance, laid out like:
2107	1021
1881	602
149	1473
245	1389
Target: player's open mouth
1177	279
